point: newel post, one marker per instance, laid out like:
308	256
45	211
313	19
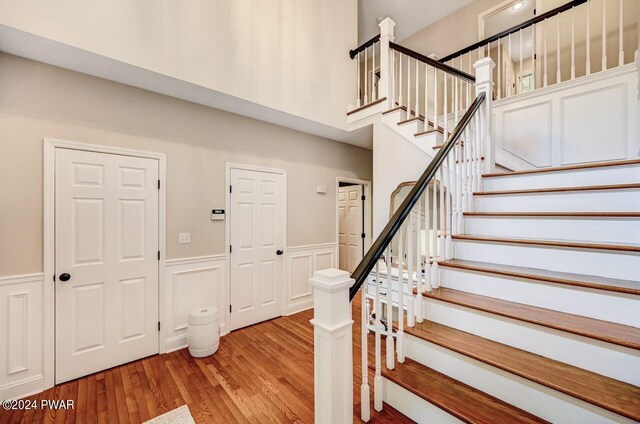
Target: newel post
332	347
484	84
386	61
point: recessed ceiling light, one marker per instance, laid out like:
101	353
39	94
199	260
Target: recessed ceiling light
518	5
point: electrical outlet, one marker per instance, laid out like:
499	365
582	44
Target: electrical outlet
184	238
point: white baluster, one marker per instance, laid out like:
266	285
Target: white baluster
366	77
374	88
533	58
426	97
621	37
604	35
546	26
377	380
427	250
359	83
393	78
401	262
521	69
410	263
435	98
389	298
400	99
419	265
365	411
417	88
499	70
409	105
446	177
558	70
510	91
588	64
573	43
434	229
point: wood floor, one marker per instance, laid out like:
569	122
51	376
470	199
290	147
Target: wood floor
260	374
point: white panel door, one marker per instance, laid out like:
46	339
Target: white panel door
106	232
350	227
257	243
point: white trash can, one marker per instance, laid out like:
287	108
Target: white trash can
204	331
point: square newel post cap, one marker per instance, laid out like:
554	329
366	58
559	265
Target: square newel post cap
331	280
484	70
386	28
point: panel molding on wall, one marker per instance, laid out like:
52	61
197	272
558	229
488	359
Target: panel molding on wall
21	330
301	263
192	283
590	119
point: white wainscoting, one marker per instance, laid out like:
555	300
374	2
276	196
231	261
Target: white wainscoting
21	335
192	283
589	119
300	264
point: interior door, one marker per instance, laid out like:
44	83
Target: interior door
106	244
350	226
257	246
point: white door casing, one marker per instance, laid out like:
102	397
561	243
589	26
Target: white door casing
106	239
350	226
256	234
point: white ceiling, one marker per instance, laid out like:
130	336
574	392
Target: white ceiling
410	16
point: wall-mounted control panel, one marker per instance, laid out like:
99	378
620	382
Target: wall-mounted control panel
217	214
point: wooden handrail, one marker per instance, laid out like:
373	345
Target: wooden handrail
516	28
436	64
360	48
393	226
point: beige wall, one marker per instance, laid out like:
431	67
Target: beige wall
38	100
282	54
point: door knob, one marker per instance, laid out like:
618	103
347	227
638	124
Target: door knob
65	277
279	252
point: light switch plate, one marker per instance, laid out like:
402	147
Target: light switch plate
184	238
321	189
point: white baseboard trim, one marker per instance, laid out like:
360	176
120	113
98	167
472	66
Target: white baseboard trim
22	388
294	308
176	343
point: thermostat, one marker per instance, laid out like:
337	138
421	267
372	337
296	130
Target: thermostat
217	214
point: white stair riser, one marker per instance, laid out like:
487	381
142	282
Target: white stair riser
414	407
604	263
584	177
603	358
599	304
532	397
566	201
410	129
614	230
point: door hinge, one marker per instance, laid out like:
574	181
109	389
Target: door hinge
158	255
230	308
158	184
158	325
230	189
54	277
363	197
363	235
230	249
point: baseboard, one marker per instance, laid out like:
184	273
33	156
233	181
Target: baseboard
176	343
22	388
296	307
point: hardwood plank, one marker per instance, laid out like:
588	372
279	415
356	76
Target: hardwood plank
566	168
375	102
556	189
613	395
579	280
458	399
547	242
622	335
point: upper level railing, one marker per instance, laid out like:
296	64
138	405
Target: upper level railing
579	38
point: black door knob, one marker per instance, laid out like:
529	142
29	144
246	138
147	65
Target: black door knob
65	277
279	252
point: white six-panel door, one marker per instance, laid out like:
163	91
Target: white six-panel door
256	228
350	227
106	240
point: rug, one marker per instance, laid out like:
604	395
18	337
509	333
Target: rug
180	415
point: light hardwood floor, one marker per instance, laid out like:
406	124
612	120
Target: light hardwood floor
260	374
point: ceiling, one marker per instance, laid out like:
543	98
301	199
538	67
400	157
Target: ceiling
410	16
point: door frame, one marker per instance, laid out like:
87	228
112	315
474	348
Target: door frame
227	232
49	148
368	229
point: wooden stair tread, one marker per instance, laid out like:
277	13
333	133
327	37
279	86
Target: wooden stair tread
619	334
406	121
458	399
555	243
580	280
557	214
566	168
558	189
607	393
375	102
439	130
